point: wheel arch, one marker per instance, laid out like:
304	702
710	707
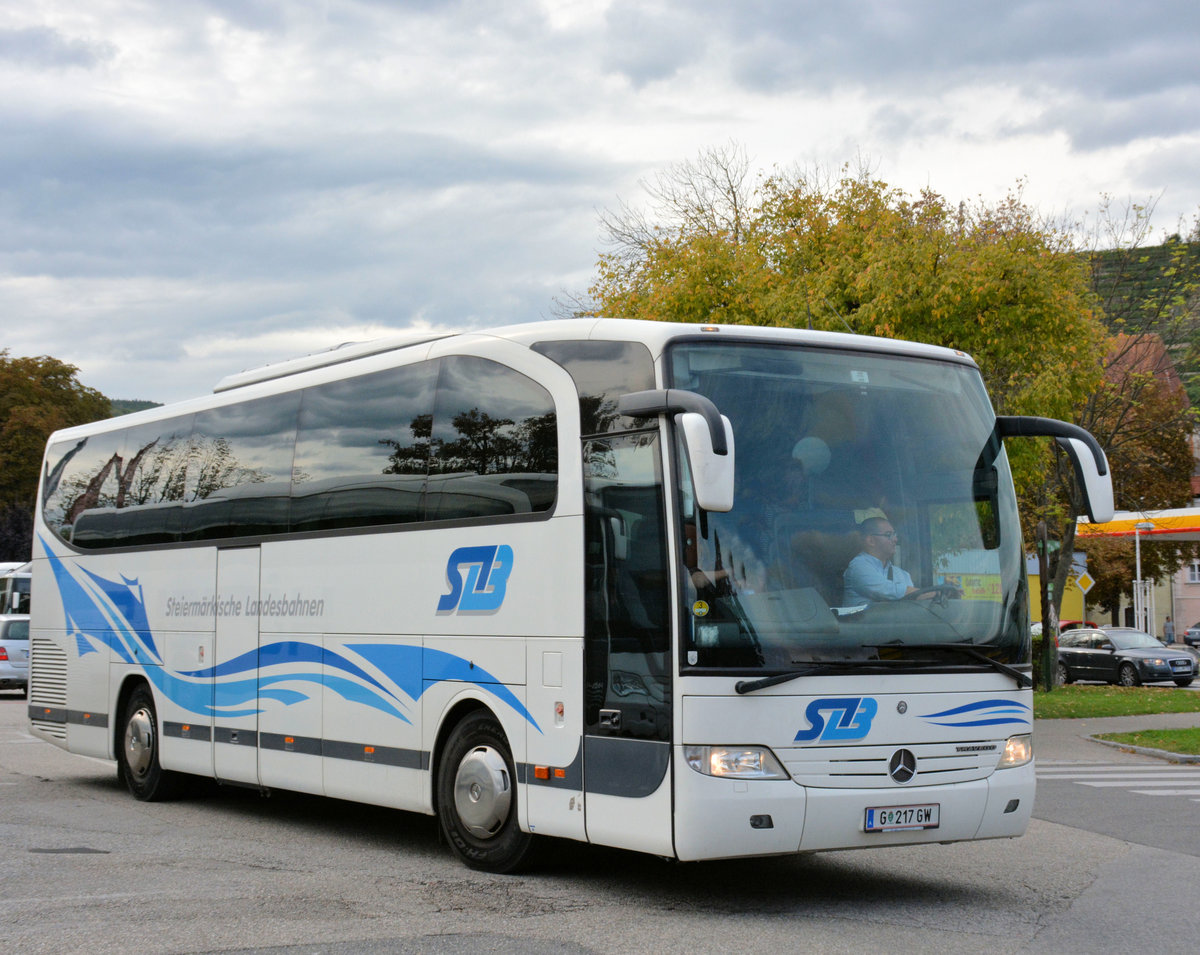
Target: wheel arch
459	711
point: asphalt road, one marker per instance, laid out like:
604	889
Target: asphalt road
87	869
1139	798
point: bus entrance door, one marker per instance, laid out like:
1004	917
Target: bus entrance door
627	640
235	649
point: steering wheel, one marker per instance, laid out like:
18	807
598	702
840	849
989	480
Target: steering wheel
942	591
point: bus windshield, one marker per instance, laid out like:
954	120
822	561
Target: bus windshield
873	518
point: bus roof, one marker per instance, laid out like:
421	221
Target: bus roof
656	335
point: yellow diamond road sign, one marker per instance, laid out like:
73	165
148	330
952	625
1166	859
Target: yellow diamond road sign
1084	582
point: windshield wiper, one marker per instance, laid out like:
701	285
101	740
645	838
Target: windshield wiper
749	686
969	650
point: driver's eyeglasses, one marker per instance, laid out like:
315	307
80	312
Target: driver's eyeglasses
890	535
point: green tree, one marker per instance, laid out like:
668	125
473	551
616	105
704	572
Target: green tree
37	396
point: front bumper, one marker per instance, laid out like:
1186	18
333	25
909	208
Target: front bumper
723	818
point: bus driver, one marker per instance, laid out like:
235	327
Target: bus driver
872	576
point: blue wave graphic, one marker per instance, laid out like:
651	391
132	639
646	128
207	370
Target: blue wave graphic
414	669
109	614
996	712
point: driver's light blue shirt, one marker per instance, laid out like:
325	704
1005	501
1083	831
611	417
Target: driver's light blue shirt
868	579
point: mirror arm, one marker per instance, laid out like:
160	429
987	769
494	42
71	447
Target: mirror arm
1028	426
648	404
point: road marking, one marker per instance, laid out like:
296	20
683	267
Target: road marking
1140	780
1166	792
1137	781
1133	779
1139	774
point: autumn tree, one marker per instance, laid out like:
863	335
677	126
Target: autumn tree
1040	310
856	255
37	396
1141	413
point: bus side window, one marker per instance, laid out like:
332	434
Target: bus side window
362	452
494	443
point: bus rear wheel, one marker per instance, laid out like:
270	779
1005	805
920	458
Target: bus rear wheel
477	797
137	758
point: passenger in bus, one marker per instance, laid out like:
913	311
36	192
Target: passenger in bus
871	576
768	512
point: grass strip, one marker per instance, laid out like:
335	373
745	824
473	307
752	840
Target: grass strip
1090	702
1183	741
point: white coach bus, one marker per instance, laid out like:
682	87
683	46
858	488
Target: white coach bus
584	579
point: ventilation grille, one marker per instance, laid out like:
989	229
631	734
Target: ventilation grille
48	683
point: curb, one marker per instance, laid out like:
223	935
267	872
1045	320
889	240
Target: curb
1147	751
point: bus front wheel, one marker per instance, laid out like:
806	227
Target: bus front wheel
137	758
477	797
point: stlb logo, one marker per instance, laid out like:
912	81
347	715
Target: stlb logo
477	577
848	719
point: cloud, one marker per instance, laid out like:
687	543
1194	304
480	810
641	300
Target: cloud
177	190
46	48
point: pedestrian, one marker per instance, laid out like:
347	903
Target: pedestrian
1168	631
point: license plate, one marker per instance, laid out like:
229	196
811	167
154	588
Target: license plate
888	818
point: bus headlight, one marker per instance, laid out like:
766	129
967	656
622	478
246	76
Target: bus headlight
734	762
1018	750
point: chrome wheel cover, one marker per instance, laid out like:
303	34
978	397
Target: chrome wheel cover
482	791
139	742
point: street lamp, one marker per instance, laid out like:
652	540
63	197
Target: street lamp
1139	600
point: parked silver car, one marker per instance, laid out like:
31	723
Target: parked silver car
14	652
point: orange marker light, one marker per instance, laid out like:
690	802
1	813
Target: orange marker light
541	772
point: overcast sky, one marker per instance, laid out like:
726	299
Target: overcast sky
188	189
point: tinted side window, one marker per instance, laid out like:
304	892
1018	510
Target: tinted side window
363	450
603	371
78	478
239	469
494	443
120	489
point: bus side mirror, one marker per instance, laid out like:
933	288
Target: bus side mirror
712	473
1097	487
1087	457
707	436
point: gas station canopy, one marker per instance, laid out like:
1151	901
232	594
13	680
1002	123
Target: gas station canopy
1177	525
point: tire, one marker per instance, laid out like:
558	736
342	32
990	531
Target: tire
1063	674
1127	675
1184	681
477	797
137	759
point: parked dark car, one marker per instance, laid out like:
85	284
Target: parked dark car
1191	636
1121	655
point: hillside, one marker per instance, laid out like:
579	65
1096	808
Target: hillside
122	406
